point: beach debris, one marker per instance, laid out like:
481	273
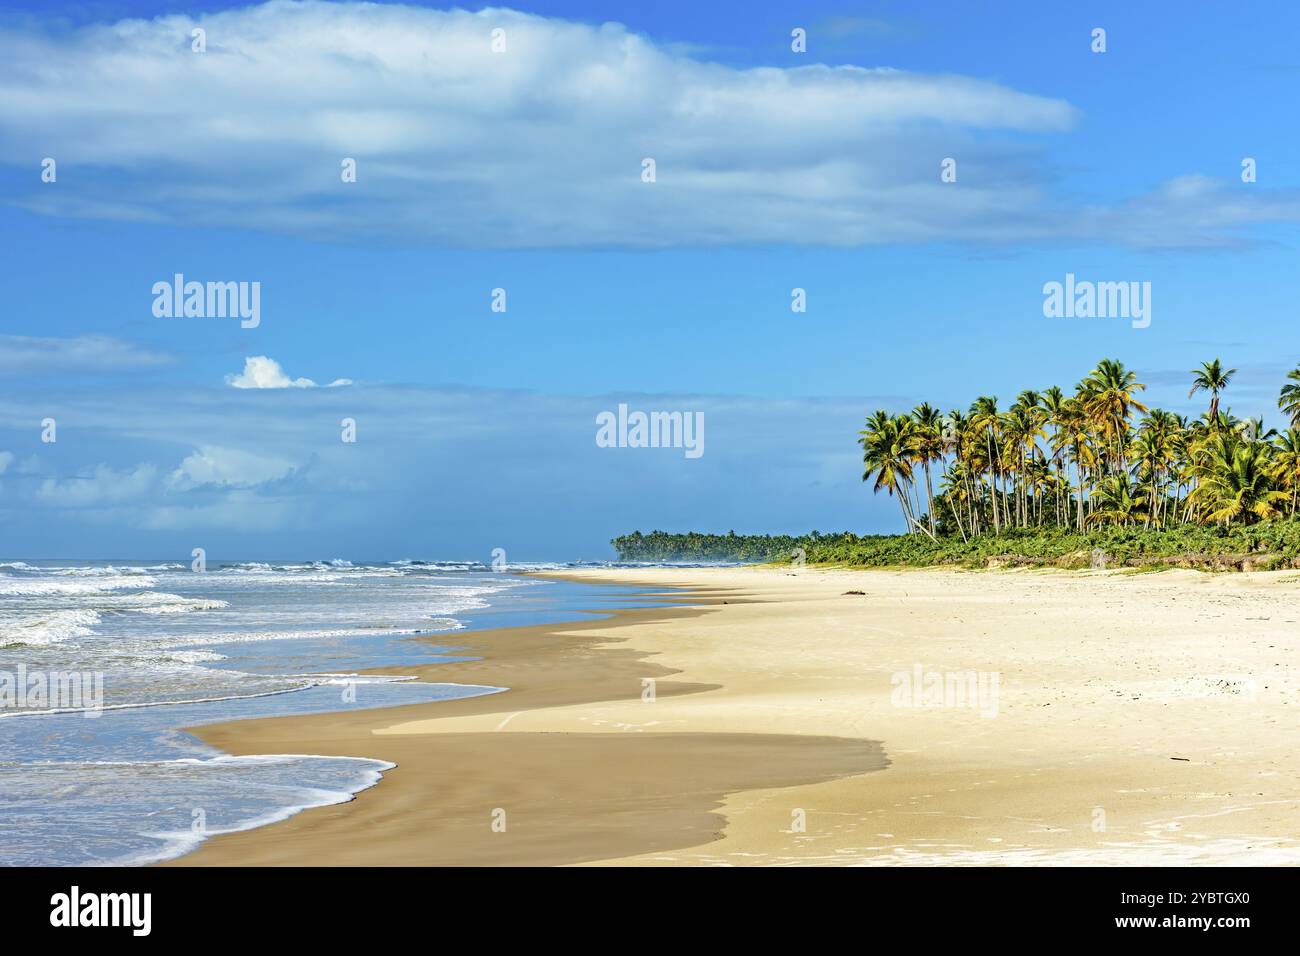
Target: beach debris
854	592
1183	759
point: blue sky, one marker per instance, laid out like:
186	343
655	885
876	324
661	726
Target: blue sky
521	170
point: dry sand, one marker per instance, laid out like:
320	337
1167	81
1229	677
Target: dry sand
1139	719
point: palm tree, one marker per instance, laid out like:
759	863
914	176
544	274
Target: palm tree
1108	397
1155	450
1286	462
927	443
954	489
1021	429
984	414
1252	429
1211	377
886	453
1131	464
1289	399
1039	480
1074	434
1236	483
956	440
1053	408
1147	457
1118	501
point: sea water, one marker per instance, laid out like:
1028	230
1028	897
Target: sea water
122	784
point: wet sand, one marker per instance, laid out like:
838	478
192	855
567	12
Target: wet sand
1139	719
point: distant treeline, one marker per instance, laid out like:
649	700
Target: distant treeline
1262	546
693	546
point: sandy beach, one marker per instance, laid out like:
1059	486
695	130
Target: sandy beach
1123	719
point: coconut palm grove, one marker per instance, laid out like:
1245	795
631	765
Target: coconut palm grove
1094	457
1060	478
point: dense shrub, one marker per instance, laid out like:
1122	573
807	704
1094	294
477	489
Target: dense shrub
1269	544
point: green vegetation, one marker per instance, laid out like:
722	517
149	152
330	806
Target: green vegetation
1085	460
693	546
1068	480
1263	546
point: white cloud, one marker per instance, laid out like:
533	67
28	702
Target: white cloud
263	372
6	459
540	145
104	485
238	510
26	355
211	465
436	471
212	487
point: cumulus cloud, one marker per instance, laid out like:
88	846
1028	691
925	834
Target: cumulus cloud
542	144
29	355
263	372
213	486
104	485
539	145
211	465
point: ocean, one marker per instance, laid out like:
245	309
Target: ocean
103	663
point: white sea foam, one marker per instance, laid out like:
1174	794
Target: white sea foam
47	627
96	790
281	578
249	637
194	656
96	585
306	684
179	648
178	843
446	624
106	571
157	602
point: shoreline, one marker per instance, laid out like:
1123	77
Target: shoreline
542	666
773	739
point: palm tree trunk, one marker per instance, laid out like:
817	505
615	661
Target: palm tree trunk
1078	464
993	483
1022	494
914	524
929	493
956	516
906	524
971	513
